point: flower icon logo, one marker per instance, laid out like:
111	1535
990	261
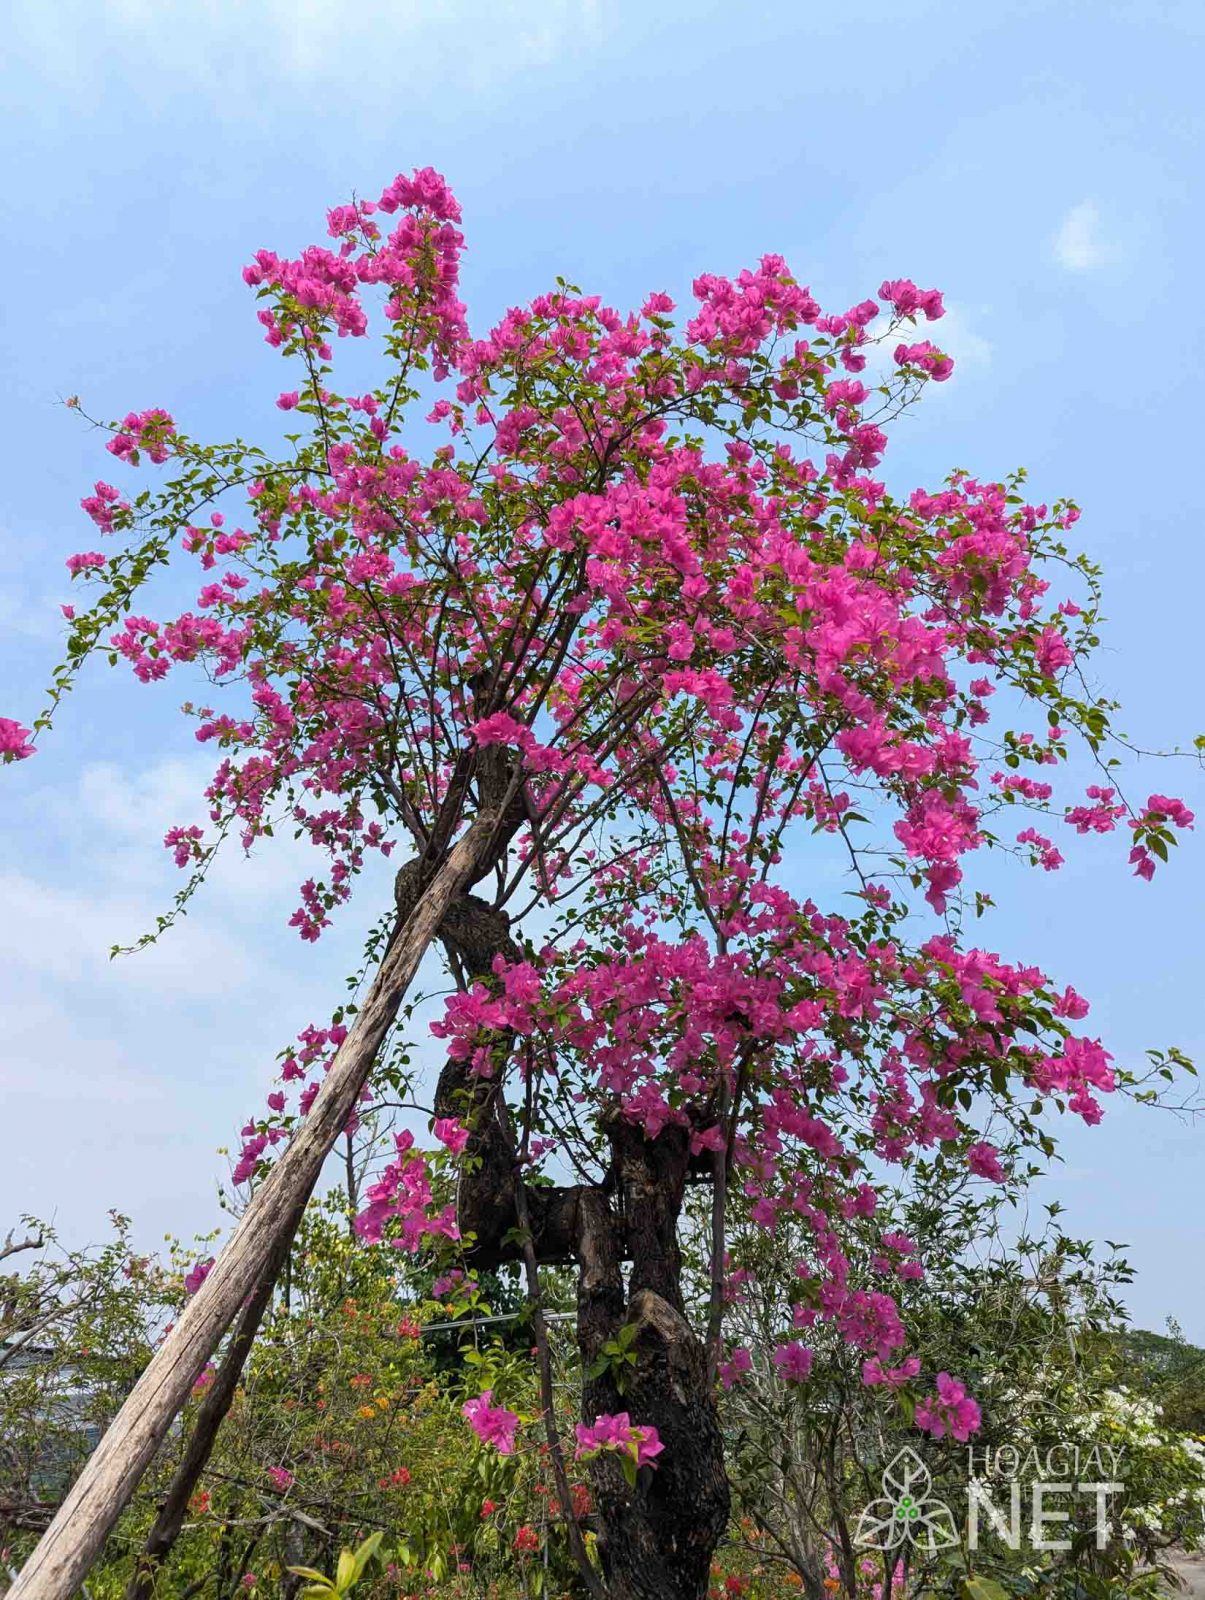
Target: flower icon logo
907	1510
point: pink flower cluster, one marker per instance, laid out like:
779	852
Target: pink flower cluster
184	843
151	431
417	264
875	1374
794	1362
951	1410
493	1425
403	1193
984	1161
14	741
86	561
618	1433
453	1135
1152	831
736	1367
196	1275
103	505
927	357
906	299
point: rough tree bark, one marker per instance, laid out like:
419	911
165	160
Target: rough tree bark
655	1540
659	1539
73	1540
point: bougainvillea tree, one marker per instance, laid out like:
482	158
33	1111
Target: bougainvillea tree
689	736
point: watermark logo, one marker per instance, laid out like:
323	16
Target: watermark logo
908	1512
1067	1484
1022	1498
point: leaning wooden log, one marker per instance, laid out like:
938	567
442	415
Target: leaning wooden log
169	1520
73	1540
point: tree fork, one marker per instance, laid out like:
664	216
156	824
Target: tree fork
69	1546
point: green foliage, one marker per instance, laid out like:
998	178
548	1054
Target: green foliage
345	1466
1168	1370
983	1589
617	1359
347	1574
1035	1328
76	1329
345	1433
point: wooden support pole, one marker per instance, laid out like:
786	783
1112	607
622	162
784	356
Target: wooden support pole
66	1551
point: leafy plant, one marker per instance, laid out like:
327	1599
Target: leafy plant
350	1569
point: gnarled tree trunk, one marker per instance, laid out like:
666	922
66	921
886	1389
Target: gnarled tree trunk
656	1539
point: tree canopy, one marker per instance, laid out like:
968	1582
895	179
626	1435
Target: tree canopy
616	605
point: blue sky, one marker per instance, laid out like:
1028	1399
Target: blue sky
1038	162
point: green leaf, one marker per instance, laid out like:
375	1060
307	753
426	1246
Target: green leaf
983	1589
365	1553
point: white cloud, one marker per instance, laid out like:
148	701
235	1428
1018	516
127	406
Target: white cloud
953	334
375	45
133	808
50	932
1078	246
123	1077
137	805
29	608
50	1060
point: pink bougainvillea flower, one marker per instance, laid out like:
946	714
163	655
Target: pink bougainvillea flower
451	1133
794	1362
950	1411
493	1425
14	741
196	1276
617	1432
